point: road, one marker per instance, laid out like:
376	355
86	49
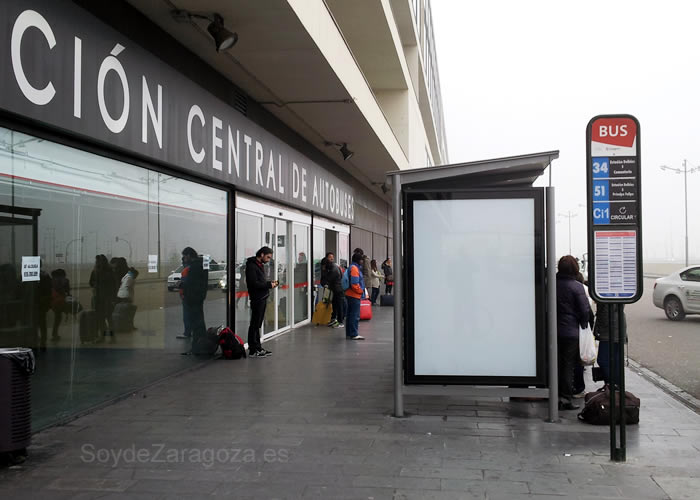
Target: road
669	348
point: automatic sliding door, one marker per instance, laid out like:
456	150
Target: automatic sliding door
301	272
284	297
248	240
270	324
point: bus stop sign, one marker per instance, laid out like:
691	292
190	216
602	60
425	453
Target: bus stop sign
614	192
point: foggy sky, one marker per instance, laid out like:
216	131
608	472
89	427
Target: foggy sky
523	77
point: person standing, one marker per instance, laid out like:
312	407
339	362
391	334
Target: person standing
608	333
573	313
61	290
388	275
335	285
104	292
365	264
258	290
193	291
354	295
375	281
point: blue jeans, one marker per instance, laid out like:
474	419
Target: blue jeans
604	360
352	321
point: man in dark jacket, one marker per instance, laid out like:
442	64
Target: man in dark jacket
258	291
334	277
193	290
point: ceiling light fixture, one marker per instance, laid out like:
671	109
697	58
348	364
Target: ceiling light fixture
224	39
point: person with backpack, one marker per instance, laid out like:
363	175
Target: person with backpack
193	290
334	277
258	290
354	285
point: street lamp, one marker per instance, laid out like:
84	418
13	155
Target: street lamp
118	239
685	171
569	215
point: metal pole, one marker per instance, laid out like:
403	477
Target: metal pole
569	232
551	223
398	297
611	381
621	335
685	188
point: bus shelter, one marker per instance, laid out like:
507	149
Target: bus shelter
474	249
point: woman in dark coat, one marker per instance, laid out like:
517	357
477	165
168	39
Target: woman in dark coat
573	312
104	292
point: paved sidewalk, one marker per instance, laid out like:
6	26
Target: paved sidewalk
314	420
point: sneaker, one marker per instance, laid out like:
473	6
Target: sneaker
333	323
265	352
339	325
257	354
357	337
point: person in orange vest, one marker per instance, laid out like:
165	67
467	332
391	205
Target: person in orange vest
354	295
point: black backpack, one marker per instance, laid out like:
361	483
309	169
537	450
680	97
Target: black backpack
206	343
597	408
232	346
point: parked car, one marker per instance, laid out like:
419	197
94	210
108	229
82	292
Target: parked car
217	272
678	294
174	278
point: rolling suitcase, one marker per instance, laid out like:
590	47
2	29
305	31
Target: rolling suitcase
123	317
322	314
88	326
365	309
386	300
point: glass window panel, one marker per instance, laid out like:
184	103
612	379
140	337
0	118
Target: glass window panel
90	206
282	256
248	241
301	272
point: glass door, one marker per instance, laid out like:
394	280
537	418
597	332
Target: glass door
248	241
284	296
301	294
270	323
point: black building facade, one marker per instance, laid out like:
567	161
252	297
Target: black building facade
119	145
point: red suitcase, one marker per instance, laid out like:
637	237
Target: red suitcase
365	309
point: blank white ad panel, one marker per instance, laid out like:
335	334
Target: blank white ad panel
474	287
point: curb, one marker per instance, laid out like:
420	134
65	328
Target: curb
673	390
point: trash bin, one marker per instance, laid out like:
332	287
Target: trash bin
16	366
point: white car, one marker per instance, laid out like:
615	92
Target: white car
217	272
678	294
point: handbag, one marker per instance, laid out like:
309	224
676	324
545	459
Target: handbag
586	344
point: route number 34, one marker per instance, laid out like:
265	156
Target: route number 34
600	166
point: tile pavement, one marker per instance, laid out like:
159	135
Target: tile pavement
313	421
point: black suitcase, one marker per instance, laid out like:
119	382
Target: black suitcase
386	300
123	317
88	326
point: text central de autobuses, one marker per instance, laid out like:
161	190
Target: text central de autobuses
230	151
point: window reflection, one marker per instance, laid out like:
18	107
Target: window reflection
105	313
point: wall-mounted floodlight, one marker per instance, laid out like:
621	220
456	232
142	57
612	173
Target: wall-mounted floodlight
347	154
224	39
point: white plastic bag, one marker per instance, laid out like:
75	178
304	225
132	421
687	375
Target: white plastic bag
586	345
